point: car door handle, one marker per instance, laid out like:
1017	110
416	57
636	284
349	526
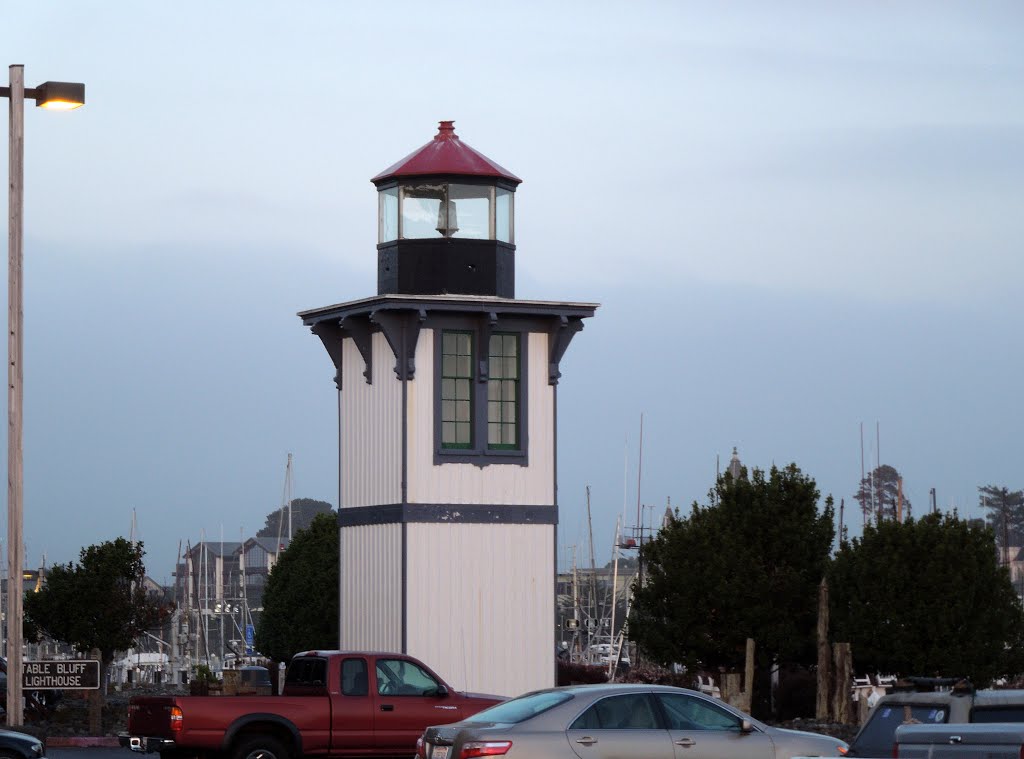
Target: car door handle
685	742
586	741
387	707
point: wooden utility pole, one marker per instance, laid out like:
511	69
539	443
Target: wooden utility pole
821	706
15	373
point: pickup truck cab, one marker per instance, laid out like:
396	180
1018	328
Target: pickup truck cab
877	735
334	704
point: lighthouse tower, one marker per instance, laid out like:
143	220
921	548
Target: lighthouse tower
447	410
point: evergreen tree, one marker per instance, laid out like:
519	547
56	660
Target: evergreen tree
746	566
927	597
880	495
300	602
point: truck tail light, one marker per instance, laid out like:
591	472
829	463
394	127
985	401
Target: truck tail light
484	748
176	719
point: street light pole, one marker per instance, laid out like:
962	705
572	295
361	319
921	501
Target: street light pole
58	96
15	547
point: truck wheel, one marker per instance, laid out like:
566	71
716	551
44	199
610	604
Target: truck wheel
261	747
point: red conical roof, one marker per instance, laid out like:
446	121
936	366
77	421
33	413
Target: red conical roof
445	154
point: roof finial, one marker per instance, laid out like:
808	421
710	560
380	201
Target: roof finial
446	131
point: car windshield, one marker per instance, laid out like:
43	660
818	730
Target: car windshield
879	734
522	708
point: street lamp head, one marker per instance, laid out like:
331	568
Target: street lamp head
60	96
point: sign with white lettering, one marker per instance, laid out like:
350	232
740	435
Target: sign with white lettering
80	674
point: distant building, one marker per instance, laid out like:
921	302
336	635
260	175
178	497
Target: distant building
210	572
258	556
735	468
1016	567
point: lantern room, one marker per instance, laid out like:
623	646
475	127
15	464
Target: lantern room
446	222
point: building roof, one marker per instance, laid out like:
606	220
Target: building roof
445	154
214	547
457	303
270	545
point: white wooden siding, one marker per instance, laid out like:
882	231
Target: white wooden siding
371	588
481	604
371	420
495	484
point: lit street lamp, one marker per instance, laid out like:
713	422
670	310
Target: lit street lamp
55	96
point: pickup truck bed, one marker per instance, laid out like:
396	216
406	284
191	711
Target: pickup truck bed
335	704
971	741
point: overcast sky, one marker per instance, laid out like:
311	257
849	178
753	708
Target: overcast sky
798	218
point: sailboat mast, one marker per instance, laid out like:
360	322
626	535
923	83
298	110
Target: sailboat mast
640	473
243	591
595	615
286	504
575	604
288	492
615	585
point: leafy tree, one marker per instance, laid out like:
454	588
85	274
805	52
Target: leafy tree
927	597
300	602
746	566
101	602
1005	516
303	512
879	493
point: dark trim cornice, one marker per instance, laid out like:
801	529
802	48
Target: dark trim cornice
452	302
393	313
448	513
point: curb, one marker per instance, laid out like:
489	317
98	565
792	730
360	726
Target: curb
84	741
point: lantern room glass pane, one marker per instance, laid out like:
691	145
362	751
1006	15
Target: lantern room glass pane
469	211
503	215
421	210
388	210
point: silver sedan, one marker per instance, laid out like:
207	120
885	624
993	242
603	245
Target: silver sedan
619	722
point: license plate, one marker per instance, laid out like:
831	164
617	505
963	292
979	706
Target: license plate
439	752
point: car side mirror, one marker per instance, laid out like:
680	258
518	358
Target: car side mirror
441	691
746	726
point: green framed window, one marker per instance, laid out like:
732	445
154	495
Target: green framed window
480	396
456	389
503	391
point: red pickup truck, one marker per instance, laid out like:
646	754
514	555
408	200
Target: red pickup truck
334	704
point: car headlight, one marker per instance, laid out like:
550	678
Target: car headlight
37	749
